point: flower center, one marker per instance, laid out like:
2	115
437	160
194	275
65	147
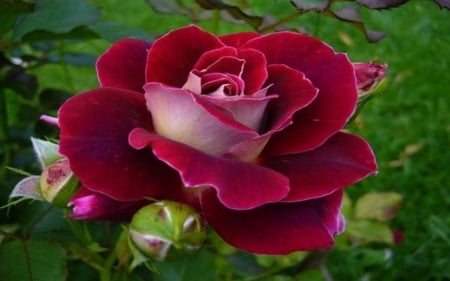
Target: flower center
220	79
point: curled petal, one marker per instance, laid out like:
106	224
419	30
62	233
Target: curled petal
174	55
332	74
342	160
249	150
294	93
88	205
181	116
123	65
277	229
94	137
255	73
249	111
210	57
239	185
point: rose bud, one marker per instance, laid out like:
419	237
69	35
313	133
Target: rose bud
155	228
368	76
58	183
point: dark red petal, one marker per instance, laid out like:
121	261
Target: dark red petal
238	39
342	160
294	93
94	136
174	55
255	73
331	73
210	57
277	229
123	65
226	65
240	185
88	205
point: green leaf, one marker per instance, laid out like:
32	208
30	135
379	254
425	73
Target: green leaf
352	16
168	7
308	5
7	228
234	11
199	266
88	257
348	14
78	33
124	254
311	275
347	206
9	10
113	31
57	16
365	231
32	260
381	206
281	261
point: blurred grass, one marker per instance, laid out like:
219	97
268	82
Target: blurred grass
412	114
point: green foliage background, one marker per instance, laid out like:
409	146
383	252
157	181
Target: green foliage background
407	124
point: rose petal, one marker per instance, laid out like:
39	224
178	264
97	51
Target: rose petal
174	55
123	65
210	57
331	73
248	111
177	115
88	205
294	93
255	73
226	65
94	136
240	185
250	149
221	85
277	229
341	161
238	39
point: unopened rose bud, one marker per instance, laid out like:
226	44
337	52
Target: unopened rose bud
368	76
159	227
58	183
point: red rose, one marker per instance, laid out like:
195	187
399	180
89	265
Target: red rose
244	127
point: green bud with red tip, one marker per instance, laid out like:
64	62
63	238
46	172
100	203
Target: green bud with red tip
158	229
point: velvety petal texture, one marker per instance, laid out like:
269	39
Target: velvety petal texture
173	56
332	74
235	181
123	65
88	205
94	137
245	128
340	161
277	229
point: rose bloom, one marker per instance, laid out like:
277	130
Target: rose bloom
246	128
